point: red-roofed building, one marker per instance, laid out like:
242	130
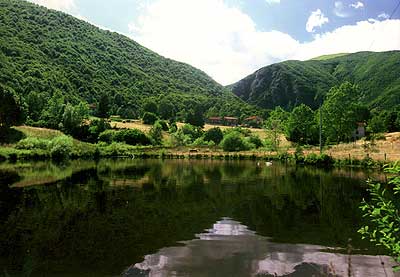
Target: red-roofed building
253	121
216	120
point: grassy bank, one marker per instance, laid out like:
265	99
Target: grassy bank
43	144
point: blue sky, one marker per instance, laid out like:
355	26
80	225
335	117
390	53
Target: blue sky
229	39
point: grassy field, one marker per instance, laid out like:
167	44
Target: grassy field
387	149
262	133
36	132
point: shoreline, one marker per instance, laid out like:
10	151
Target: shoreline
96	152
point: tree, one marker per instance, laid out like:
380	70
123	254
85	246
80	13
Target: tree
73	117
339	112
149	118
150	106
156	133
276	124
233	141
195	117
166	109
103	106
214	134
301	126
36	102
52	116
11	111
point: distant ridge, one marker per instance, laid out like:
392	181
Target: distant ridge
290	83
327	57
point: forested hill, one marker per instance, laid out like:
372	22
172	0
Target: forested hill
44	51
290	83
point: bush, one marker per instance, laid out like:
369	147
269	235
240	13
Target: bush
33	143
107	136
156	133
254	140
214	134
233	141
382	213
193	132
61	147
149	118
163	124
129	136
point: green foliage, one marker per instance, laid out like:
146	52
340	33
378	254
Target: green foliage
166	109
193	132
276	125
107	136
164	125
44	51
156	133
73	117
32	143
128	136
234	141
61	147
96	127
214	134
254	141
195	117
150	106
52	115
385	121
11	112
339	112
149	118
301	125
103	106
382	212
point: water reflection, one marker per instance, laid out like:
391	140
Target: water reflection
231	249
91	218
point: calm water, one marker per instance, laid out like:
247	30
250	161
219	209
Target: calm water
181	218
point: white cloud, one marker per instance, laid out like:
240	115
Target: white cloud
316	19
340	9
61	5
353	38
225	43
273	1
210	35
357	5
383	16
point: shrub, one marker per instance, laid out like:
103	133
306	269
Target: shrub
193	132
382	214
163	123
233	141
61	147
149	118
254	140
32	143
129	136
107	136
214	134
156	133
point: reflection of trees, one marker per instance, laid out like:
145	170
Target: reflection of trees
85	221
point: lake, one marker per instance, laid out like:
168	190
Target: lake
183	218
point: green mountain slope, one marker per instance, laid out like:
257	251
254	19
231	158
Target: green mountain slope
291	83
45	51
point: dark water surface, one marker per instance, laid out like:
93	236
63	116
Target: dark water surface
182	218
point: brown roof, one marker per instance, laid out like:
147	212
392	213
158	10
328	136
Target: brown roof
253	118
230	118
